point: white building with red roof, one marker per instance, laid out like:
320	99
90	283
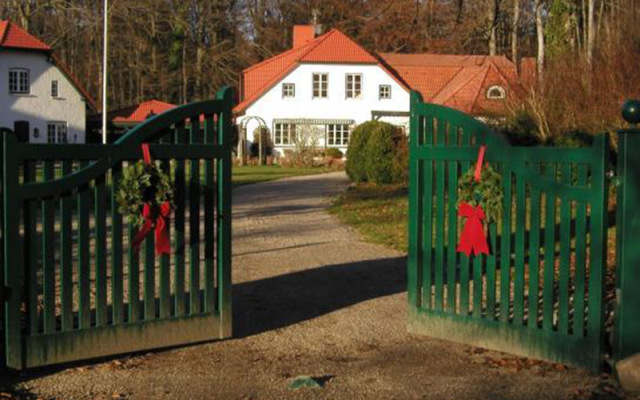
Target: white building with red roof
328	84
39	99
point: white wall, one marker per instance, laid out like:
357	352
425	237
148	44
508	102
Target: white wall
272	106
39	107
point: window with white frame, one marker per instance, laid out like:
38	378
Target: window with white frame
353	86
384	92
57	132
288	90
338	134
284	134
320	86
54	88
496	93
19	81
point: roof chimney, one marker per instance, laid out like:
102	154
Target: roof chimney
303	34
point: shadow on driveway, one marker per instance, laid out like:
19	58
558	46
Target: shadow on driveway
284	300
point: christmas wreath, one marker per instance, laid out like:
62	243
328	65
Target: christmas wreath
479	198
145	199
486	193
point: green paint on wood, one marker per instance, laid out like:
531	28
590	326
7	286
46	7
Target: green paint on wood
523	307
81	226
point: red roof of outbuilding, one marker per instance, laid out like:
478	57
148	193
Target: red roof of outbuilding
140	112
13	36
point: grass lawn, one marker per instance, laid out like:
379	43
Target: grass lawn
378	213
254	174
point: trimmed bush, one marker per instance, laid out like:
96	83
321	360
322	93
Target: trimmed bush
356	168
379	154
332	152
401	159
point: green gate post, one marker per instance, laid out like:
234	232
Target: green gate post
224	214
627	328
12	263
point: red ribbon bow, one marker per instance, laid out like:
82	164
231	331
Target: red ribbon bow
472	239
157	219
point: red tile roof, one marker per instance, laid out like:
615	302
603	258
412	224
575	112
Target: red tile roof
459	81
332	47
139	113
13	36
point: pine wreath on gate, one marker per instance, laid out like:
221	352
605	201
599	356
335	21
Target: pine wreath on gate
487	192
480	202
143	183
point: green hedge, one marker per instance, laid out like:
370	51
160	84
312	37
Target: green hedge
356	156
332	152
377	153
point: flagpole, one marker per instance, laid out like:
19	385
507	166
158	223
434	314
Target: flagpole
104	72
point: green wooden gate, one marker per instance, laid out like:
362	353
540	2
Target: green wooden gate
540	291
76	288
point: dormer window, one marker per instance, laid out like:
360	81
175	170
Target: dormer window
288	90
19	81
496	93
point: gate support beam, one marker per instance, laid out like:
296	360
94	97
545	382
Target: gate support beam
627	328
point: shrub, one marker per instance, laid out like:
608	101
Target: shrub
401	159
380	153
332	152
571	139
305	149
521	130
356	168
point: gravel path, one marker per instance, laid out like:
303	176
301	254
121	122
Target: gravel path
311	298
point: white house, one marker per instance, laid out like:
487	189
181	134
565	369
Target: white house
322	86
39	99
328	84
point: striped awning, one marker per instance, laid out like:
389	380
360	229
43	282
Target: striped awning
310	121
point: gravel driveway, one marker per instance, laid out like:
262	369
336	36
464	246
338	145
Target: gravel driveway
311	298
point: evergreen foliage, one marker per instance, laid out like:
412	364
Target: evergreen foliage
488	193
379	154
143	184
355	166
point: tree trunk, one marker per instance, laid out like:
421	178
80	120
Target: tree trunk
514	31
493	26
184	71
540	35
591	31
